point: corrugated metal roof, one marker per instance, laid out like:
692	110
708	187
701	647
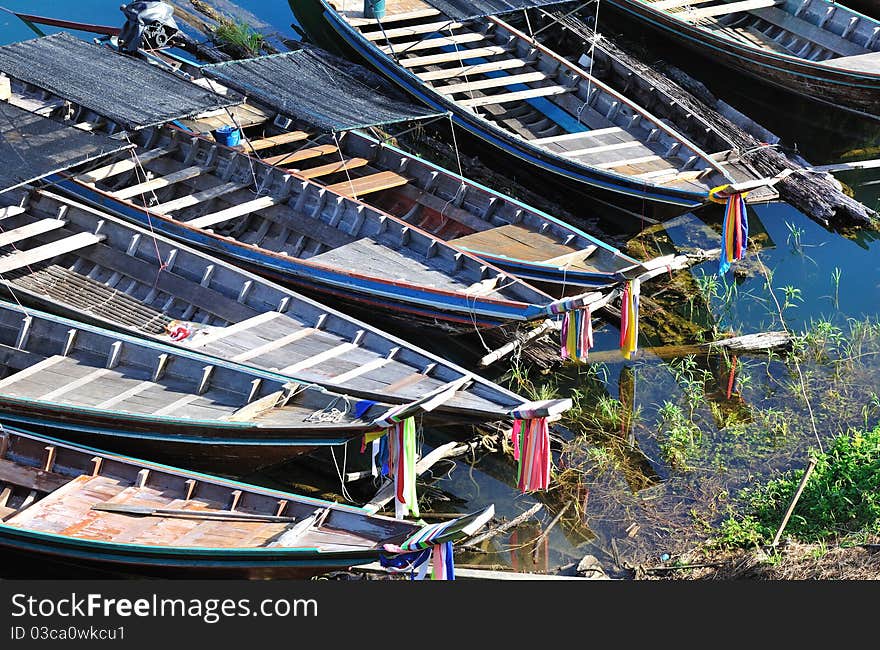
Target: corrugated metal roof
129	91
32	146
462	9
314	86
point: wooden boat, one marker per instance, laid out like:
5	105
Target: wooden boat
524	99
114	514
150	286
818	49
511	235
297	231
80	382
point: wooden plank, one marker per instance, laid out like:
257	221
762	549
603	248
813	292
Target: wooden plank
493	100
493	82
730	8
460	55
804	29
74	385
234	212
562	137
861	63
124	396
665	5
31	477
11	211
44	364
158	183
413	30
624	163
475	69
199	197
30	230
601	149
235	328
260	350
369	184
176	405
354	373
433	43
333	168
285	159
31	256
114	169
391	18
572	258
316	359
275	140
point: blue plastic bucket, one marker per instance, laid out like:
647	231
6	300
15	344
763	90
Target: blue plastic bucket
374	8
228	135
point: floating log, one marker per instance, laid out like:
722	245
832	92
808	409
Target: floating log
747	344
513	523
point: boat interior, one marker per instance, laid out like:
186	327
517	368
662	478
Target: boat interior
64	490
814	30
231	314
509	80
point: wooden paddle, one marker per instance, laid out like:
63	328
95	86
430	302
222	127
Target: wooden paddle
145	511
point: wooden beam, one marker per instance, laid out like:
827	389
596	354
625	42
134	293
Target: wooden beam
333	168
31	256
460	55
369	184
413	30
285	159
241	326
158	183
630	161
199	197
30	477
629	144
731	8
433	43
392	18
236	211
493	82
562	137
571	258
468	70
665	5
260	350
275	140
316	359
131	392
522	95
114	169
43	364
73	385
30	230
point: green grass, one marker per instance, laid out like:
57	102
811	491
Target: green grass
238	38
841	499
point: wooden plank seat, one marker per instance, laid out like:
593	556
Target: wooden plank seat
803	29
463	54
668	5
286	159
433	43
475	69
274	141
333	168
515	242
369	184
492	82
199	197
360	21
154	184
11	211
21	259
627	162
30	230
31	478
728	8
604	148
234	212
122	166
521	95
413	30
563	137
863	62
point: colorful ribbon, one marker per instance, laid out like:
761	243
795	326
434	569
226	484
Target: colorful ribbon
531	447
402	467
629	319
412	553
735	230
576	337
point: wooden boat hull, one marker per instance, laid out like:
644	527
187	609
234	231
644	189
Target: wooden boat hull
331	31
843	89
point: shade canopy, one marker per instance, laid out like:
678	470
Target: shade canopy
32	147
314	86
127	90
465	9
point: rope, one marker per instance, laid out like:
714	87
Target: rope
592	61
344	166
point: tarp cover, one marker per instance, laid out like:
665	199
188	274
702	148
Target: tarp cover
319	88
464	9
129	91
32	146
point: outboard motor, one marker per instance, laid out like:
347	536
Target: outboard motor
148	24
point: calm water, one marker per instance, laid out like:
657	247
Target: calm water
838	279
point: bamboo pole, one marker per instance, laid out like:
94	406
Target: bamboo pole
794	500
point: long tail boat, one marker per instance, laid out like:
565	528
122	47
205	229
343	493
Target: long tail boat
73	380
70	505
148	285
523	99
819	49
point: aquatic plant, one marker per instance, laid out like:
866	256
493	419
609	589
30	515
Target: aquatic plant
238	38
841	498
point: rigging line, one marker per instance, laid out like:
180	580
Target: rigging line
592	50
344	166
341	473
559	20
140	172
461	64
529	24
426	37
